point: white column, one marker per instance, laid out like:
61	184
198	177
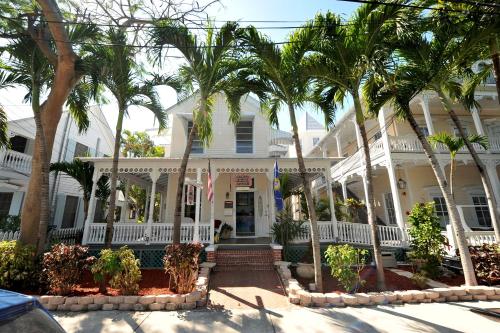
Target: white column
491	170
333	218
154	178
196	236
161	207
91	208
146	205
359	139
343	182
392	173
427	114
339	145
212	206
124	211
477	121
272	205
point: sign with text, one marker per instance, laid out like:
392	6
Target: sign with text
243	180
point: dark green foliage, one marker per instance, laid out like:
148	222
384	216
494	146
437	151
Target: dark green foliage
121	268
10	223
181	264
63	267
426	239
286	229
17	265
346	264
486	261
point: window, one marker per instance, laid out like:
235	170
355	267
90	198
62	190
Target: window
244	137
315	141
389	208
189	210
441	210
81	150
99	212
18	143
70	209
482	212
455	131
5	201
377	135
197	147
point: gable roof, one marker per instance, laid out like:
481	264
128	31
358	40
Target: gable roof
313	124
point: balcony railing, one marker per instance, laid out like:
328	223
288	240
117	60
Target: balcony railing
16	161
411	143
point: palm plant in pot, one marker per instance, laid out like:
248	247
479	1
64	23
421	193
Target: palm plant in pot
225	231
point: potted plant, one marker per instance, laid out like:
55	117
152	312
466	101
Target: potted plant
225	231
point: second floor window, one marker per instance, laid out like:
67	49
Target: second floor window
197	147
315	141
81	150
244	137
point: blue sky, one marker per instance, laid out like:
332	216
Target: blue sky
236	10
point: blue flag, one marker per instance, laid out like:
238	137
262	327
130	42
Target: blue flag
277	188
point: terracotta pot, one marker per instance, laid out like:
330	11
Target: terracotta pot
305	271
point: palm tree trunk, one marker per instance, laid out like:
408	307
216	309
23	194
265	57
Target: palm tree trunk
176	239
44	188
114	177
318	279
488	190
470	278
495	58
370	204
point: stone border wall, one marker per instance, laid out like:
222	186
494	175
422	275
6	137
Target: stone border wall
192	300
298	295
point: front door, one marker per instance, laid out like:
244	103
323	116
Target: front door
245	214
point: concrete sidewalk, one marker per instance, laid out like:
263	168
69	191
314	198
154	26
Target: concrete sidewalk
433	317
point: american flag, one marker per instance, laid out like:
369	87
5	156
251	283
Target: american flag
210	191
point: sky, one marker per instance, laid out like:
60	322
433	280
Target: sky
234	10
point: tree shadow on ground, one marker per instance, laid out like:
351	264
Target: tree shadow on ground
95	321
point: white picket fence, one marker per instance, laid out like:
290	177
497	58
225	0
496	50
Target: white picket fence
67	235
9	235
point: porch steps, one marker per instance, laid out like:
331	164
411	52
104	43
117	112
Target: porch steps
254	259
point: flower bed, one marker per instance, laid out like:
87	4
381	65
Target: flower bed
151	296
298	295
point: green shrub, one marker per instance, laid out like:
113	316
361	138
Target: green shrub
181	264
120	267
10	223
286	229
426	239
17	265
63	267
486	261
346	264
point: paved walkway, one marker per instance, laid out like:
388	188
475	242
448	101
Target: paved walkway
246	289
433	317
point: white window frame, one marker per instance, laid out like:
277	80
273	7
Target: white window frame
236	137
196	139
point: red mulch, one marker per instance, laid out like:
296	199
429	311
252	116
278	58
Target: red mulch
153	282
369	274
454	281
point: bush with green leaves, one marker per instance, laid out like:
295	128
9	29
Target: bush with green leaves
17	265
181	265
427	242
286	229
346	264
120	267
63	267
10	223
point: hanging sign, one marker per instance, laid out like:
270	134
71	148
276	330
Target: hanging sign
243	180
190	195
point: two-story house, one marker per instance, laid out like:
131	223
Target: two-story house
65	194
402	175
240	158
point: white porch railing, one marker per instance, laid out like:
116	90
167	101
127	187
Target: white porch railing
161	233
9	235
355	233
410	143
476	238
15	160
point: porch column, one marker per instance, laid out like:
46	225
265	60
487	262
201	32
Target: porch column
91	208
427	114
343	182
392	173
196	236
491	170
333	218
359	139
160	214
154	178
477	121
339	145
124	211
146	204
272	209
214	176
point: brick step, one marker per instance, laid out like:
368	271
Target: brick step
247	267
255	259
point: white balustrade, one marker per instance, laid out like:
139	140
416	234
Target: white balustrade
9	235
17	161
477	238
410	143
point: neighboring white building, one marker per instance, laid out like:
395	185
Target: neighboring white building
310	133
66	197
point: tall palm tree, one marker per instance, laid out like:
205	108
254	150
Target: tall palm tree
454	145
282	80
115	68
343	55
210	69
417	62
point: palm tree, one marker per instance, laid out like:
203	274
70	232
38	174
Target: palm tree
343	55
454	145
418	61
210	69
116	69
282	80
